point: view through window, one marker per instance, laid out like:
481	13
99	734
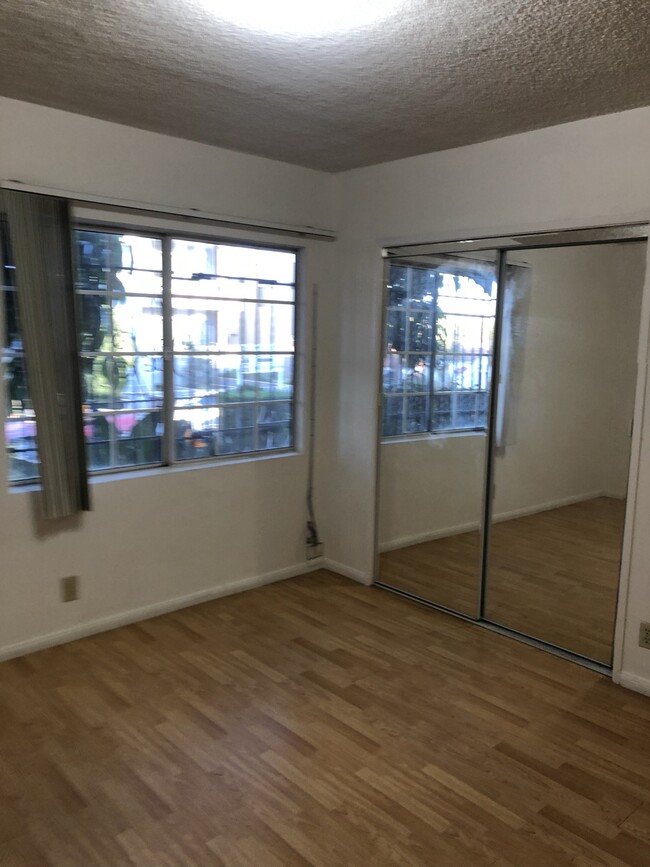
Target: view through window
194	363
438	348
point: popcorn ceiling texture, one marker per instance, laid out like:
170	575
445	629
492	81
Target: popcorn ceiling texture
438	74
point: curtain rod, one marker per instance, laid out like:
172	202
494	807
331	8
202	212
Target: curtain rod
188	214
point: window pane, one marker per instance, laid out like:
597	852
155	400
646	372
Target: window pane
393	416
274	377
442	421
119	291
416	417
233	348
194	432
394	370
396	331
20	424
274	426
193	259
122	381
275	328
110	267
218	325
422	289
237	418
118	263
417	373
467	305
237	429
207	286
196	380
271	292
232	442
420	331
397	288
122	439
20	435
231	429
201	380
235	381
237	426
273	265
127	324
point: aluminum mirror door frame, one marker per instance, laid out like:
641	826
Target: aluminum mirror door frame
461	541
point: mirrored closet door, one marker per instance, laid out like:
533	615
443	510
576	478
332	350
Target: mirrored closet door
503	498
562	443
436	376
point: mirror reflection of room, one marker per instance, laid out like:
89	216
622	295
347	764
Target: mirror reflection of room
560	435
436	381
562	444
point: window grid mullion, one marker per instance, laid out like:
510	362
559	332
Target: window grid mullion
407	343
434	352
168	445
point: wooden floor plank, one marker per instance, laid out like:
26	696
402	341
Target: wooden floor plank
317	722
552	575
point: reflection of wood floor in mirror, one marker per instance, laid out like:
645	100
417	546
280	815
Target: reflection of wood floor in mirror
553	575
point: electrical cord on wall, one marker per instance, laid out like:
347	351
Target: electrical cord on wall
313	539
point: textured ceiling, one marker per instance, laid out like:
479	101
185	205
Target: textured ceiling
437	74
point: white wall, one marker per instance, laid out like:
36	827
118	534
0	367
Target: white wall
430	487
578	373
593	172
158	537
622	340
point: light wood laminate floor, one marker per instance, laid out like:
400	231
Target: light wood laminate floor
317	722
553	575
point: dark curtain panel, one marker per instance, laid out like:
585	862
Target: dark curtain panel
39	232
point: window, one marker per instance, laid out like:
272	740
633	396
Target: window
439	334
187	351
20	425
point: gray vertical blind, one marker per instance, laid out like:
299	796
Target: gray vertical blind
39	233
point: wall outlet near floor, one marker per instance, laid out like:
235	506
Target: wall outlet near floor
314	551
644	635
69	588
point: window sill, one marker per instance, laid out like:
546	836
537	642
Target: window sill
418	437
146	472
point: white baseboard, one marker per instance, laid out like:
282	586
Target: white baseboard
615	495
633	682
347	571
418	538
113	621
406	541
546	507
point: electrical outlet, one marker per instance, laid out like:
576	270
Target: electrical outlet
644	636
314	551
69	588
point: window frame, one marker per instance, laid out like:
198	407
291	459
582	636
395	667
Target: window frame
166	235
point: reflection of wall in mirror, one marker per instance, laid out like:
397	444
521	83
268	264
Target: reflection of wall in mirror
568	432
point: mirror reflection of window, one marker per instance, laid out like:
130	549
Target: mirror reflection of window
437	363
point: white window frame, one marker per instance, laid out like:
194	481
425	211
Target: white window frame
166	231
